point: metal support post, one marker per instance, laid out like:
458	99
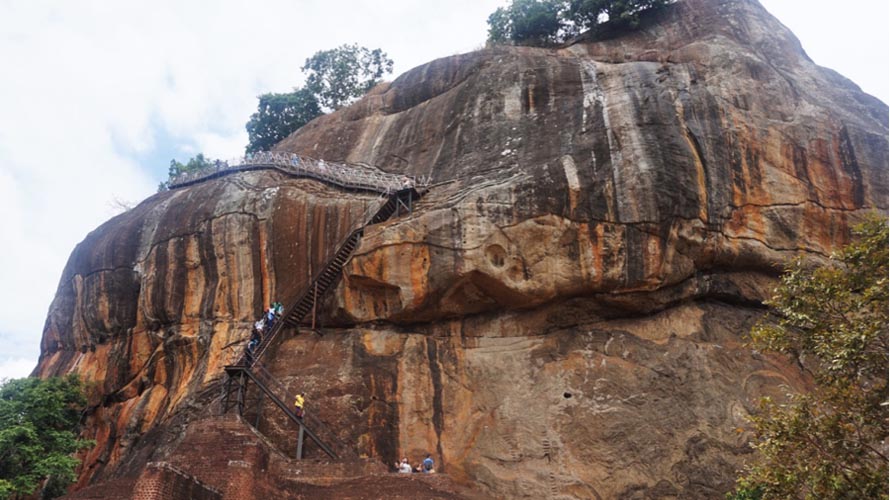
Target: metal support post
300	444
228	390
314	303
259	411
242	389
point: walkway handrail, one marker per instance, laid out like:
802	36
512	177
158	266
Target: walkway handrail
342	174
261	371
281	324
285	408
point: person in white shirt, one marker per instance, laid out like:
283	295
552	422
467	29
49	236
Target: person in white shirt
404	467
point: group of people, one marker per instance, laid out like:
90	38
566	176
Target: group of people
271	316
425	467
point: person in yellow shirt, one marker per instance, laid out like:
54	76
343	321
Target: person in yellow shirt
298	405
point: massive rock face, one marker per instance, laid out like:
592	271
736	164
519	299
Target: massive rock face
562	314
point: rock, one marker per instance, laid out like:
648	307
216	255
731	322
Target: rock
562	314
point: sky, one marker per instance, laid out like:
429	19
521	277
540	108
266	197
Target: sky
98	95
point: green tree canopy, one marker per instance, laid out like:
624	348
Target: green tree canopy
526	22
38	423
278	115
194	164
336	77
543	22
341	75
587	14
831	442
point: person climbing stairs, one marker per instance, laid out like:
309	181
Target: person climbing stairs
249	370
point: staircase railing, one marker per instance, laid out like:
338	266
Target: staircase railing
262	373
261	384
286	319
249	366
350	176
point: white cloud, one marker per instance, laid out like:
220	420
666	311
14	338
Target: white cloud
91	89
16	368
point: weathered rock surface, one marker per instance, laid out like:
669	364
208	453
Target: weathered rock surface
563	312
152	304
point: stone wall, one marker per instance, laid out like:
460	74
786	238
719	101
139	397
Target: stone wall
160	481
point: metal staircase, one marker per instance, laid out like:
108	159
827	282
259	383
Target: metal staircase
237	384
332	271
249	369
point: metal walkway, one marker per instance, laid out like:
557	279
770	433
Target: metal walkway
343	175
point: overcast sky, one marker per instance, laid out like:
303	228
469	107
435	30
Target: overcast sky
98	96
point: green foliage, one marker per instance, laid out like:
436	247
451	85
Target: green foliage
746	493
526	22
336	77
194	164
543	22
38	420
832	442
587	14
339	76
278	115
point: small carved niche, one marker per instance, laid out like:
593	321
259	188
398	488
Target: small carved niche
496	255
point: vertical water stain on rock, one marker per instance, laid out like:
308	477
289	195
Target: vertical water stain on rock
438	416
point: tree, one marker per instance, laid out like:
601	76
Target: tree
588	14
278	115
543	22
194	164
831	442
336	78
526	22
38	423
339	76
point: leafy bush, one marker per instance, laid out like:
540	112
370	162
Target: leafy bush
38	424
831	442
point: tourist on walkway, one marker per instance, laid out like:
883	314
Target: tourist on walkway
270	319
299	403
